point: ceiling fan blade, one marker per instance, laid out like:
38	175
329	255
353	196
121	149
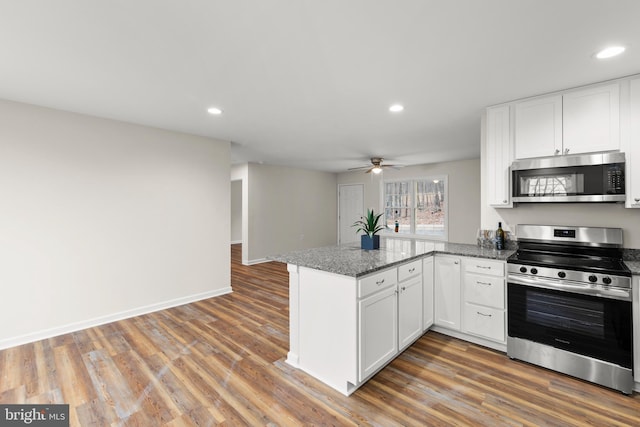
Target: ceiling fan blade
360	168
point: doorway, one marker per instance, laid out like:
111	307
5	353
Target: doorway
350	210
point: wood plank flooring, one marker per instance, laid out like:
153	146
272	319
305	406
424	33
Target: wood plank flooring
221	362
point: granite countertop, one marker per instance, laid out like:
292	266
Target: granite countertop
634	266
350	260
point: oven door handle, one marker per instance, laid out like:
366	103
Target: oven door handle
575	287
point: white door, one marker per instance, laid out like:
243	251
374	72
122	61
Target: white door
409	311
538	127
447	292
378	338
499	156
591	120
427	293
350	210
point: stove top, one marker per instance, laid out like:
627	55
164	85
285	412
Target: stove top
561	254
571	261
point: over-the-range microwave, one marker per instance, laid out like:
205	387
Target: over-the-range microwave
594	177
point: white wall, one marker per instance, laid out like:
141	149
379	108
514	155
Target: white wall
577	214
102	220
288	209
236	211
464	192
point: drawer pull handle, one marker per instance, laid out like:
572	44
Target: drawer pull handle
411	270
484	267
380	282
483	283
482	314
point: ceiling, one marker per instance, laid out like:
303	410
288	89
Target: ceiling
308	83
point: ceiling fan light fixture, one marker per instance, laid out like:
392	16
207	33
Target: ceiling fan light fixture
396	108
214	111
376	170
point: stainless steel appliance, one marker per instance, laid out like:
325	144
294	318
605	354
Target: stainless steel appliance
569	303
595	177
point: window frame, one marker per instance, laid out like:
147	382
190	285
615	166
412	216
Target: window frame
389	232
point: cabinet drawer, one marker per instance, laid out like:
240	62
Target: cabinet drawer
484	266
409	270
484	290
377	282
484	322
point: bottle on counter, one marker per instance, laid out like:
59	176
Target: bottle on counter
397	228
499	237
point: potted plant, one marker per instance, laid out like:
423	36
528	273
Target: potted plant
369	226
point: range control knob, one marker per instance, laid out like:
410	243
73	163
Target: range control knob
562	274
606	280
593	279
534	271
523	269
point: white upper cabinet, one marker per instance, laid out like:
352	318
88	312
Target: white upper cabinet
632	148
538	127
580	121
499	155
591	120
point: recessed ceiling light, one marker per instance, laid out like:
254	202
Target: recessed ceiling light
396	108
610	52
215	111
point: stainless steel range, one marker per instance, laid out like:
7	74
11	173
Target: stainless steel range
569	303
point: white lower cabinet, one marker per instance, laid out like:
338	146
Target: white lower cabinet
378	337
427	293
470	297
409	303
484	295
389	315
447	292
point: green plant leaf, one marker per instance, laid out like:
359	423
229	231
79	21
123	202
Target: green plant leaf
369	223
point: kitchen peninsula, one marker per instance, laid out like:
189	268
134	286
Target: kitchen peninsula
352	311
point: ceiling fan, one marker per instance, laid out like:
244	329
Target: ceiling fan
376	166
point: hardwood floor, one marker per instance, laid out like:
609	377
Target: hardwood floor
221	362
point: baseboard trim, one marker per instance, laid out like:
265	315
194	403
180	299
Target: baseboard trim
90	323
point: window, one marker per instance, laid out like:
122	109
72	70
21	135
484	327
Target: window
419	206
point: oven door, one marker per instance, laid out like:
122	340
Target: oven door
593	326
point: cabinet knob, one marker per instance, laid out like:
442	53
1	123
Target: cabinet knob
637	200
455	262
380	282
566	151
557	152
504	201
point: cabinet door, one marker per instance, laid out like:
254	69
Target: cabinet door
378	332
484	290
632	150
447	292
538	127
484	321
409	311
499	156
591	120
427	293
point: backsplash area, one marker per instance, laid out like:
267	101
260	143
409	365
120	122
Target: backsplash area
631	254
486	239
